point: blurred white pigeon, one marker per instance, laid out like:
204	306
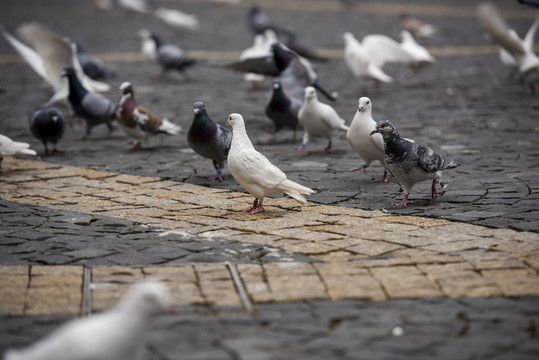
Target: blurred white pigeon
358	61
419	55
117	334
177	19
141	6
48	56
254	172
369	147
318	119
261	47
521	50
10	147
417	27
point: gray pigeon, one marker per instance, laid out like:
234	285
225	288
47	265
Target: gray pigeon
168	56
209	139
411	163
48	125
94	108
282	109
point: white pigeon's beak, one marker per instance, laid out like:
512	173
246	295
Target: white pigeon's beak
360	108
228	123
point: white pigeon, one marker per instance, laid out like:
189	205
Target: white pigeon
358	61
521	50
254	172
10	147
48	56
141	6
177	19
261	47
117	334
419	55
318	119
369	147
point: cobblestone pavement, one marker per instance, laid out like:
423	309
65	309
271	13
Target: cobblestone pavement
340	277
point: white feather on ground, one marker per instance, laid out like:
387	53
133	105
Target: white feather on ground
254	172
318	119
117	334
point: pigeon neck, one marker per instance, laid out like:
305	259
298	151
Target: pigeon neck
279	98
76	90
240	135
203	128
128	101
394	145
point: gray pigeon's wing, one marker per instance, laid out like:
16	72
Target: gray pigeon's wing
224	139
264	65
98	105
171	55
428	159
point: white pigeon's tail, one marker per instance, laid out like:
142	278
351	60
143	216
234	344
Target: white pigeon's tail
344	127
27	152
294	190
169	128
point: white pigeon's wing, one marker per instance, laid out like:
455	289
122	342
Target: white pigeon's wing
377	73
493	23
253	167
89	83
177	18
31	57
378	140
381	49
530	35
54	50
331	117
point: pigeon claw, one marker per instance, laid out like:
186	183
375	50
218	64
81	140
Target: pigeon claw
404	202
382	179
362	167
216	177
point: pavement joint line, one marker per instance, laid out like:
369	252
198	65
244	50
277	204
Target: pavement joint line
247	304
86	306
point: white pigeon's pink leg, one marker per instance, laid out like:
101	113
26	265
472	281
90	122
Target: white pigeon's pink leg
252	208
404	202
328	148
259	208
362	167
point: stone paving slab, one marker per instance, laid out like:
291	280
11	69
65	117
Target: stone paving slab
362	254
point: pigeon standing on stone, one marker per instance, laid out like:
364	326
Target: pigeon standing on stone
209	139
369	147
10	147
282	109
139	122
254	172
318	119
94	108
168	56
118	333
48	125
410	163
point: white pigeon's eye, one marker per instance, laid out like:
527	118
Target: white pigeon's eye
368	102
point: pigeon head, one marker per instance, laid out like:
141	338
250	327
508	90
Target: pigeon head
347	36
68	70
276	84
386	128
198	106
148	298
126	87
235	119
310	93
365	104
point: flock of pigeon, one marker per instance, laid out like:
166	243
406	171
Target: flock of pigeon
75	77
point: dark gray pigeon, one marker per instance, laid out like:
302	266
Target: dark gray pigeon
209	139
168	56
48	125
282	109
410	163
94	108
